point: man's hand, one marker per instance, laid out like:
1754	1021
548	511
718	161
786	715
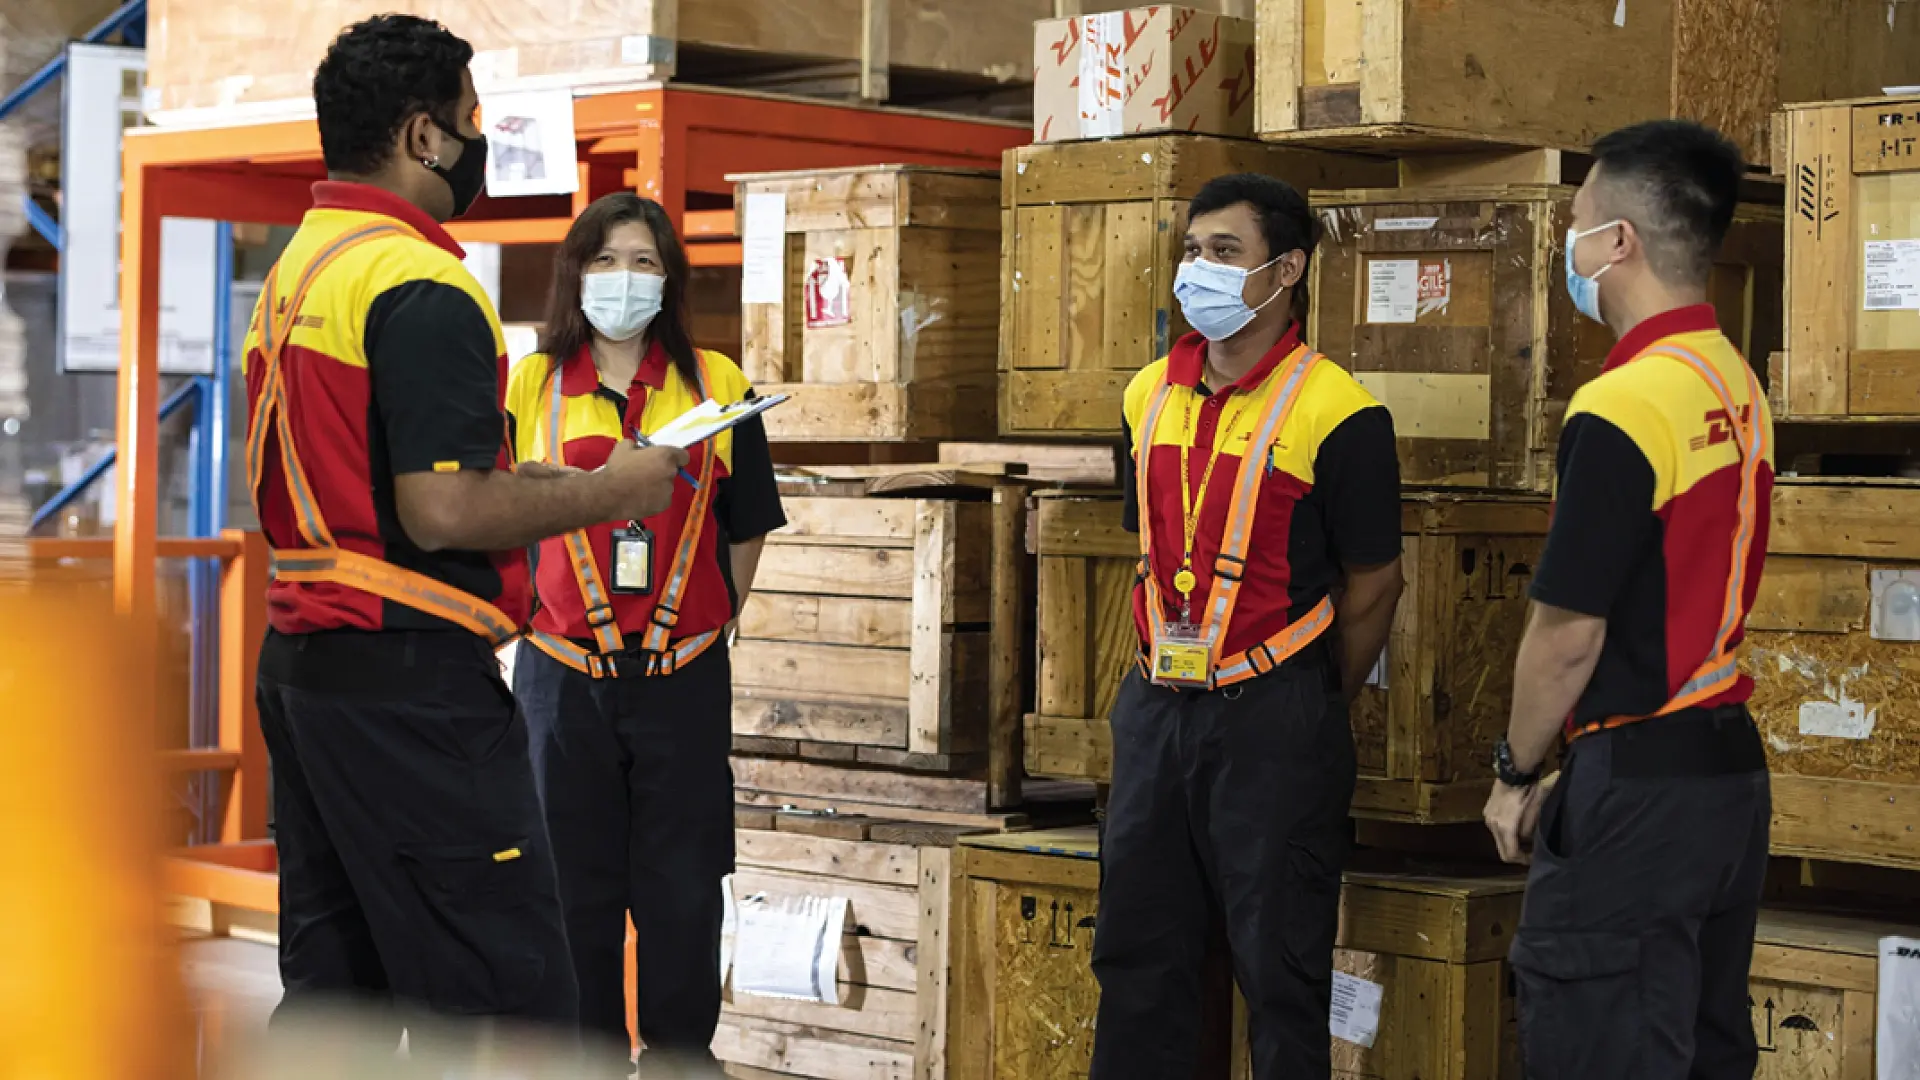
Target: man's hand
1512	815
544	470
639	479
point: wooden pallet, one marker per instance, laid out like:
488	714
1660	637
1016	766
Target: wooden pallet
1855	180
1092	238
1834	700
1447	303
888	626
1420	78
1423	741
911	357
1025	998
229	61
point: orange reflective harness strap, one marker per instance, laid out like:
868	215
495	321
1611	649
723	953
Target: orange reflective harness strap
1231	561
1721	668
325	561
660	655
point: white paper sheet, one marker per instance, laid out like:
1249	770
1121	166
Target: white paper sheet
729	927
763	248
1404	224
1356	1009
530	143
1393	290
789	946
1897	1042
1893	275
710	418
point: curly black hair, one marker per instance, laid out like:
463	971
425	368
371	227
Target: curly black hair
376	76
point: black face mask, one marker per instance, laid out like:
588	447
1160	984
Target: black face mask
468	177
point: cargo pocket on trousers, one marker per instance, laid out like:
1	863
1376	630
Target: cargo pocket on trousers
1313	899
474	947
1581	1006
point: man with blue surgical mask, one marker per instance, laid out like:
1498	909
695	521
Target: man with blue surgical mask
1266	493
1649	847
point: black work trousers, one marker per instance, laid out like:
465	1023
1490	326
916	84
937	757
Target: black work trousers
1637	931
638	793
1230	805
414	863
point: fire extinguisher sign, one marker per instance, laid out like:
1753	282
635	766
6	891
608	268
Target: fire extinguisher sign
829	294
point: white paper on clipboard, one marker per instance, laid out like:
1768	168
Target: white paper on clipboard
789	946
710	418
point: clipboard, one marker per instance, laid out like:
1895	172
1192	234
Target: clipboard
709	418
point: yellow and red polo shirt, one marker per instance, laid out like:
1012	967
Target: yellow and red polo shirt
1644	514
1330	497
396	365
746	504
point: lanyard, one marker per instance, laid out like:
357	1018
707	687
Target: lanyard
1190	505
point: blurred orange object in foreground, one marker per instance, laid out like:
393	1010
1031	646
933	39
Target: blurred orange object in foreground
88	984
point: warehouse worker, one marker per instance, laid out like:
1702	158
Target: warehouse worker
1633	944
628	689
1266	492
413	858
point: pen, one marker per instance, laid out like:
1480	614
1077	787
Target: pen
642	441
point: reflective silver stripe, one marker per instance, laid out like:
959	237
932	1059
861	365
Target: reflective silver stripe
1727	669
1252	466
1310	626
1156	608
606	635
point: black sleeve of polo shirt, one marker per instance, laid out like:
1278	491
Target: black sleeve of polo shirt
1601	518
1129	482
748	501
1357	470
436	378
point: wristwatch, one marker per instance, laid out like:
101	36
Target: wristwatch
1510	774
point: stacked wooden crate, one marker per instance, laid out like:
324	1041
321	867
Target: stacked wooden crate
1024	997
222	59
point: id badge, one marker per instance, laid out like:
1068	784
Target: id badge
632	560
1183	656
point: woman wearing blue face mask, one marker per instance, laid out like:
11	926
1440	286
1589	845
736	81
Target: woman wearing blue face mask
1266	492
625	679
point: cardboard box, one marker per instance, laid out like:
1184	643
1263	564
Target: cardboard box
1148	69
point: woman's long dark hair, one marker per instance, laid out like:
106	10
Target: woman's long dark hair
567	330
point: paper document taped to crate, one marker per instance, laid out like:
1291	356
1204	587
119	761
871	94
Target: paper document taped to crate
1355	1016
789	946
729	927
1897	1043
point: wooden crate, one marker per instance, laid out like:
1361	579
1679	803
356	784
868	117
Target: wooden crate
899	881
912	356
1424	741
888	627
228	61
1024	998
1344	72
1834	699
1855	183
1093	235
1448	304
1813	989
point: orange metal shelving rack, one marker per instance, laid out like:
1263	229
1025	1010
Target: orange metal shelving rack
675	144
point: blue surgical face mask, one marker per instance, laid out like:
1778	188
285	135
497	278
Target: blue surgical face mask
621	303
1211	297
1585	291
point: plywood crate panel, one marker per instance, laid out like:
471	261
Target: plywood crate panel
1423	734
1449	305
1025	998
890	630
1835	692
1523	72
912	255
1093	235
223	60
1853	261
1812	992
898	880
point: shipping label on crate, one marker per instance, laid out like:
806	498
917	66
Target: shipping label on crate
1897	1038
1892	275
1436	286
1142	70
829	294
1355	1016
1393	290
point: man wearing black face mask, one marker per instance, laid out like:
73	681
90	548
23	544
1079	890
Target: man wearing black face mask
414	862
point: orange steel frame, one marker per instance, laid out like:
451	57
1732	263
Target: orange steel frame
673	144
